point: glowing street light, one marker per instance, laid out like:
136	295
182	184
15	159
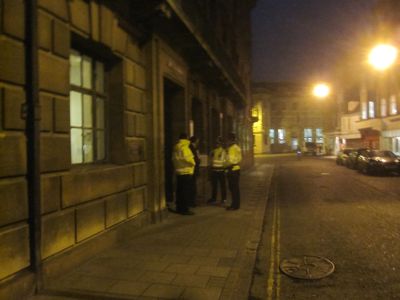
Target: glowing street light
321	90
382	56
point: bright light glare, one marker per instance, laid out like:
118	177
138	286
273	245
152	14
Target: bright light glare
321	90
382	56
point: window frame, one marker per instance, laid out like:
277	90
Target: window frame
308	137
281	136
95	95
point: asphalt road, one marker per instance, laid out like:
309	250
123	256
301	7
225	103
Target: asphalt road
316	208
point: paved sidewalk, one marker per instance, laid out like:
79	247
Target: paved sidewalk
210	255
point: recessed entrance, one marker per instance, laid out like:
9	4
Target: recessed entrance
174	124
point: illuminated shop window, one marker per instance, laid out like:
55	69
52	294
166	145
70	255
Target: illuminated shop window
281	136
319	135
272	136
308	135
87	105
393	105
364	112
371	109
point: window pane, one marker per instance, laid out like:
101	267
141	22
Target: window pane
75	109
281	135
364	114
371	109
87	111
99	77
99	113
75	73
100	145
76	145
393	105
87	72
88	145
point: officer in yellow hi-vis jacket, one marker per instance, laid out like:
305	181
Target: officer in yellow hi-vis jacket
184	163
233	159
217	175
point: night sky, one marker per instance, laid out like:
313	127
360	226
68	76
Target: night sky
299	40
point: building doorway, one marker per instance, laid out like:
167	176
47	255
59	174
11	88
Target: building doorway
215	128
174	124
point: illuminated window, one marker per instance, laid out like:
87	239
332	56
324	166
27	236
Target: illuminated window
272	136
364	113
308	135
87	105
393	105
319	135
396	145
281	136
371	109
383	107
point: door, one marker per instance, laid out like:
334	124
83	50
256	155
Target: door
174	124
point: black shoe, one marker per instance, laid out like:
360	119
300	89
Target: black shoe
211	201
231	208
187	213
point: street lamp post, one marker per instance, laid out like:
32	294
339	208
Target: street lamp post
323	91
381	58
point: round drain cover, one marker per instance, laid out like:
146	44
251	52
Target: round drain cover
307	267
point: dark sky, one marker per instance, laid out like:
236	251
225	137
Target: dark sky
299	40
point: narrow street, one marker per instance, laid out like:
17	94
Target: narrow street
317	208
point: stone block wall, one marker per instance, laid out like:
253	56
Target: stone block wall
14	230
78	202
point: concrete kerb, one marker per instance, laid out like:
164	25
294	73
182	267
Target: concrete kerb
250	255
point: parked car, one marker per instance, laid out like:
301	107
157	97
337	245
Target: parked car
378	161
351	161
343	156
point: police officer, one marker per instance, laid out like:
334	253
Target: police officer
217	164
184	163
234	157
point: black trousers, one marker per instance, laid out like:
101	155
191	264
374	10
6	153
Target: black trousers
218	178
193	191
183	192
233	182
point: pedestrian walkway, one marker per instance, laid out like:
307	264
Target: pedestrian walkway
210	255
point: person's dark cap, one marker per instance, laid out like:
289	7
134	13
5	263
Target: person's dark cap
183	136
232	136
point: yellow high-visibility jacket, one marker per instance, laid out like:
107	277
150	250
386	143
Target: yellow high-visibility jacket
218	158
234	157
183	158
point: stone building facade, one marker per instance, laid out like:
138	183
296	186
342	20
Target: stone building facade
93	95
292	117
374	95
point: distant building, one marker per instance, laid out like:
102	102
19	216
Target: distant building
349	135
292	118
93	96
378	109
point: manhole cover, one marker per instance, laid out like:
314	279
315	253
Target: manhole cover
307	267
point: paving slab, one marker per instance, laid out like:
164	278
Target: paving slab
209	255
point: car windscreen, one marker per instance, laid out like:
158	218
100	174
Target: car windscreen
388	154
